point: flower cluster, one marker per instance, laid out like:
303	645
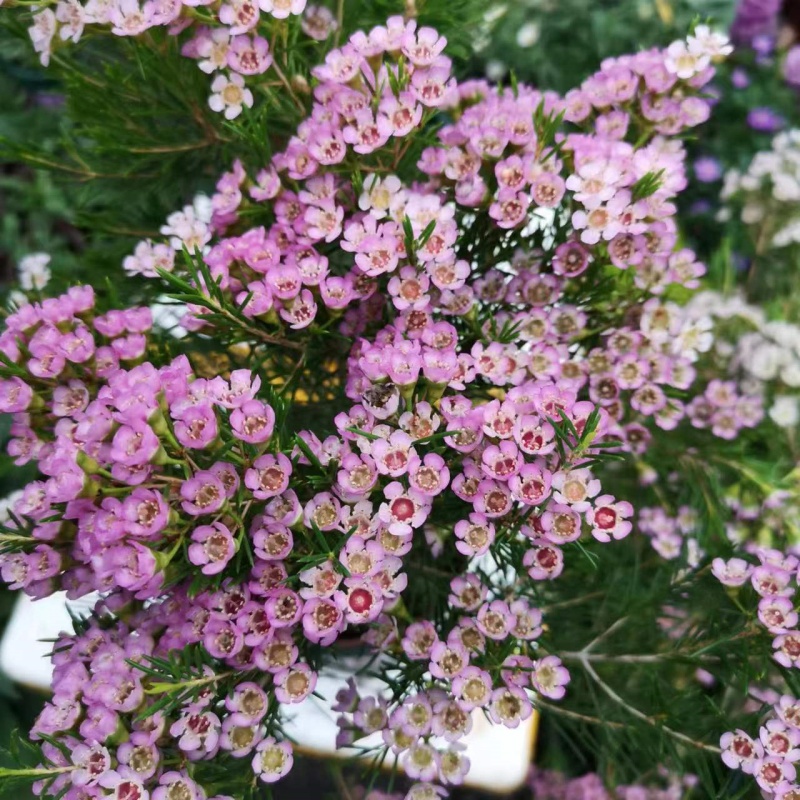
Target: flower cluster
766	194
770	757
606	201
508	326
763	354
230	40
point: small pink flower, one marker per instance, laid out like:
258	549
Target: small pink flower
392	455
608	518
269	476
294	684
134	445
403	510
510	706
550	677
780	740
212	548
777	614
561	524
476	536
771	772
495	620
203	493
253	422
531	485
787	649
249	56
16	395
322	621
544	562
448	660
428	476
361	602
510	209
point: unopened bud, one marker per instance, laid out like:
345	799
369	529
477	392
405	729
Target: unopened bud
300	84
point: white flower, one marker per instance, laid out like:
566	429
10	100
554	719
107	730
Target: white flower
72	15
42	32
764	362
787	235
528	34
167	316
33	271
379	196
203	207
98	11
683	63
280	9
229	95
753	212
495	69
7	504
186	228
791	374
694	337
705	42
785	411
17	299
213	50
786	187
147	258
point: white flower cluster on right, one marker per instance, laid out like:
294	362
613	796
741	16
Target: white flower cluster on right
767	355
767	194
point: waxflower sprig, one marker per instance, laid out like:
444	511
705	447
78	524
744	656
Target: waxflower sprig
502	299
232	41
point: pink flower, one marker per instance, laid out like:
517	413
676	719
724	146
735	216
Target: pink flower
476	536
203	493
510	706
249	56
269	476
322	621
403	509
393	455
787	647
777	614
429	476
608	518
771	772
134	445
16	395
361	602
197	427
212	548
549	677
531	485
294	684
253	422
510	209
780	740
